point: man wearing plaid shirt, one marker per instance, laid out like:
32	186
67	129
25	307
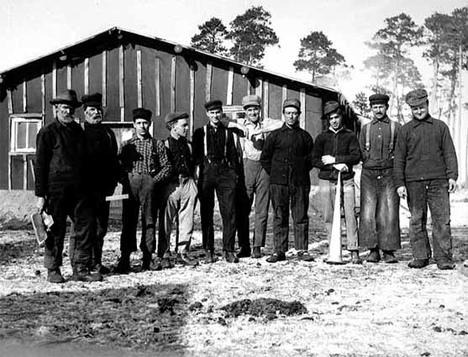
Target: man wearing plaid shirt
145	163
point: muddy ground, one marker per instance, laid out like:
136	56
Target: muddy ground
253	308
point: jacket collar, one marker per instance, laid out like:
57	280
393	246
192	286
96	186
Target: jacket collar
385	119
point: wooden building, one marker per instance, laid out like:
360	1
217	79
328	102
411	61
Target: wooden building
133	70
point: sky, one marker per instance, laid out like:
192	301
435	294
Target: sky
33	28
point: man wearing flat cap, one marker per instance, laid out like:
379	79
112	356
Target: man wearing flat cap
426	171
252	178
61	189
217	162
379	224
179	193
286	157
103	168
145	162
337	150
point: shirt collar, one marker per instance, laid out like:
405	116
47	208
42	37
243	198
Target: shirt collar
385	119
335	131
428	120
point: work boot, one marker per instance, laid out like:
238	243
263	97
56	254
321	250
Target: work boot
55	276
101	269
418	263
186	260
445	265
305	256
209	257
389	257
276	257
374	256
146	261
83	274
257	253
355	257
166	263
123	265
244	253
230	257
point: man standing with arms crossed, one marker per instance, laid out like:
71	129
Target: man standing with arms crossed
426	171
379	224
144	160
62	187
286	157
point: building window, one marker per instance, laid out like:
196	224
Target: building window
234	111
24	129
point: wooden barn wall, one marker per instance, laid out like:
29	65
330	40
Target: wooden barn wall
152	77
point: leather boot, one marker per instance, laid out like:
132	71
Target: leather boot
418	263
55	276
374	256
355	257
209	257
257	253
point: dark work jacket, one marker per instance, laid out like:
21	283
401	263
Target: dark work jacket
379	156
343	145
101	158
286	156
60	153
424	151
180	155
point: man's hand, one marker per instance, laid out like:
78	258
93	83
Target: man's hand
40	203
328	160
402	192
341	167
452	186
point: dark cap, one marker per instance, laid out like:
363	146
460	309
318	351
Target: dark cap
416	97
92	100
141	113
213	104
66	97
251	101
379	99
169	118
331	107
292	103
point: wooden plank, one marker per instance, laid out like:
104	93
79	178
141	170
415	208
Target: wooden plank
104	79
285	93
10	101
86	75
259	88
302	97
230	86
25	97
157	80
69	77
121	84
139	84
54	79
25	172
209	73
266	96
192	102
173	83
43	95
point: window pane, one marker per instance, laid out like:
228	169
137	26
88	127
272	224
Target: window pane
32	135
21	135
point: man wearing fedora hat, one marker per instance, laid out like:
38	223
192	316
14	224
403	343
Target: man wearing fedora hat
286	157
103	168
145	163
426	171
379	224
337	150
179	193
217	161
61	189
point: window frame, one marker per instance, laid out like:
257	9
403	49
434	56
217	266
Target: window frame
29	118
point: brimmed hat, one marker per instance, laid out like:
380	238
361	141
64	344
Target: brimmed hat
379	99
66	97
141	113
169	118
213	104
92	100
251	101
416	97
292	103
330	107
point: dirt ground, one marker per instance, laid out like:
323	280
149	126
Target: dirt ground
228	309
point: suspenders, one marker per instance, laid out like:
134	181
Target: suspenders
392	136
205	146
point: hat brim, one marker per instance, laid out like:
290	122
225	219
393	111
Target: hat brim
92	104
417	102
62	101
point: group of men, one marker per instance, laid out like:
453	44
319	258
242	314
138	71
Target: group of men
243	161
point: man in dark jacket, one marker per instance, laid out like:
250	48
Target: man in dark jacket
286	157
337	150
61	190
379	224
216	160
145	162
426	171
102	166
